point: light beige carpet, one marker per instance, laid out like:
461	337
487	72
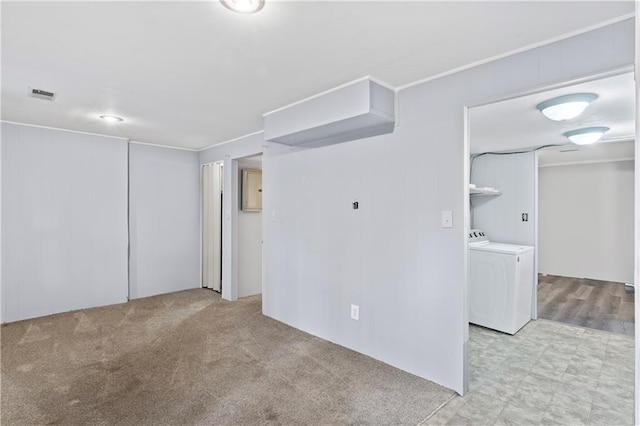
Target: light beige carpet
192	358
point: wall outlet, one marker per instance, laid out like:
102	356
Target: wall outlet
355	312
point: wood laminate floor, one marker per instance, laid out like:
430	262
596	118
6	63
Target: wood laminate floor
601	305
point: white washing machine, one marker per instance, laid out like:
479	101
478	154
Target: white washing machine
501	283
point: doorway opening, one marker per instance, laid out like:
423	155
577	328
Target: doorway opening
532	190
585	214
250	226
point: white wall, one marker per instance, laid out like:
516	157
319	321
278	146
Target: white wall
586	217
235	149
1	226
64	221
391	256
636	275
164	220
413	309
249	244
501	216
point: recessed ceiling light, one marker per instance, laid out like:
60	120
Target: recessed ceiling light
587	135
111	118
566	107
243	6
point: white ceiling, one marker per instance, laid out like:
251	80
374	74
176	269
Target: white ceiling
517	124
191	74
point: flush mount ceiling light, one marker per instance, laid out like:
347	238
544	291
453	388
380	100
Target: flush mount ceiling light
243	6
111	118
587	135
566	107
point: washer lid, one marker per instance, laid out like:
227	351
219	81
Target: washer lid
501	248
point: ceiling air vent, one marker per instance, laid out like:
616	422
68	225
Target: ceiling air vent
41	94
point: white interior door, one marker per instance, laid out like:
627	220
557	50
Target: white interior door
212	226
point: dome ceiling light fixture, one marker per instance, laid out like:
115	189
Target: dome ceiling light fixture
111	118
586	136
566	107
243	6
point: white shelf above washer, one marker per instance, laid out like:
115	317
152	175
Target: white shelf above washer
483	191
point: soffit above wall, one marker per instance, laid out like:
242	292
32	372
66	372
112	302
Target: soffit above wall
572	154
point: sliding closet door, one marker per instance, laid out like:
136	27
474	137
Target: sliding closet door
64	220
212	226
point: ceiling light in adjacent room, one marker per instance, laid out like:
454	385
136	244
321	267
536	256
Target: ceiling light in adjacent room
586	136
111	118
566	107
243	6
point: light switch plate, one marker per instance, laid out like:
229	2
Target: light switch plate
447	219
355	312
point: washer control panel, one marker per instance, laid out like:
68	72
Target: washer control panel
477	236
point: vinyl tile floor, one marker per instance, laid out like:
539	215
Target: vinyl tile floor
549	373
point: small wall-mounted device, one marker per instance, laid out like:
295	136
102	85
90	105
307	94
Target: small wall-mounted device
251	190
525	217
355	205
